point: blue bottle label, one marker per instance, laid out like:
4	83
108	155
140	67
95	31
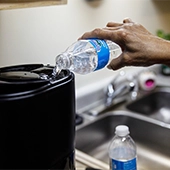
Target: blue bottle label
102	50
123	165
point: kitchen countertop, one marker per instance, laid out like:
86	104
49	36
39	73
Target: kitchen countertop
80	166
84	161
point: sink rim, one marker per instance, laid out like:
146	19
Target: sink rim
132	114
144	105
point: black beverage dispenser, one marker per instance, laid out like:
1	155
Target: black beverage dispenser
37	118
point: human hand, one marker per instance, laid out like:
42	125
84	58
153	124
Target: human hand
139	46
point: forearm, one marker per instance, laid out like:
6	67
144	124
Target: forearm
159	52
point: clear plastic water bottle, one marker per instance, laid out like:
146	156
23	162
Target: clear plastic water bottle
122	150
86	56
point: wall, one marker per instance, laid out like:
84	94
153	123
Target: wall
37	35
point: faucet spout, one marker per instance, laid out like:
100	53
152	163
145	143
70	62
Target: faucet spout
117	91
114	93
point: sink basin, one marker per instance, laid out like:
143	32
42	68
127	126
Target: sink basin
151	136
155	105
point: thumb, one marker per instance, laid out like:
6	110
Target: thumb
116	63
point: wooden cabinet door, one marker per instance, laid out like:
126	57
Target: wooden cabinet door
12	4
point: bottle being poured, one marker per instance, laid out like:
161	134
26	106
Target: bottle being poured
86	56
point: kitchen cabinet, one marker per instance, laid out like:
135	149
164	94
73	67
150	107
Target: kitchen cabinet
13	4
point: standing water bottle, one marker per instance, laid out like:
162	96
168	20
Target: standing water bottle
122	150
85	56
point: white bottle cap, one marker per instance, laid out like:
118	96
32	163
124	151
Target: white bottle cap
122	130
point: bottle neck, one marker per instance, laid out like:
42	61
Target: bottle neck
63	61
125	136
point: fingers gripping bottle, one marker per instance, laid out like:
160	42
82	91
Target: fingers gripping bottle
122	150
86	56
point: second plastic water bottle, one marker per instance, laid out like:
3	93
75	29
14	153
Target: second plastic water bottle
85	56
122	150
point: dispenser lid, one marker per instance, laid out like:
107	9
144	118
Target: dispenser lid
21	78
28	73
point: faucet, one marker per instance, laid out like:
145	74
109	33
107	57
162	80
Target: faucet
118	89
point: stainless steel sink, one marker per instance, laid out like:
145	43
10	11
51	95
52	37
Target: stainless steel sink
151	136
155	105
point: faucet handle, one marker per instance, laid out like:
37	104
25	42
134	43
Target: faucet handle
134	86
